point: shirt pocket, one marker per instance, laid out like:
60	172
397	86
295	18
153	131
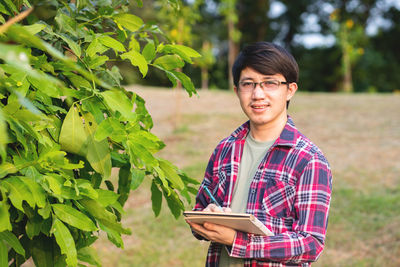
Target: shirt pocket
218	186
277	198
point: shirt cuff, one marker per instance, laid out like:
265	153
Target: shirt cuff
238	248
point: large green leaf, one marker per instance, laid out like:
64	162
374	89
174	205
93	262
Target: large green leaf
98	152
138	60
95	47
18	192
185	52
105	217
111	43
171	174
118	101
38	193
73	135
106	197
156	198
169	62
12	241
149	51
129	21
35	28
73	217
74	46
186	81
65	241
137	178
4	217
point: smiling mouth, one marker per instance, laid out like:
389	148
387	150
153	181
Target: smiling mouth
259	106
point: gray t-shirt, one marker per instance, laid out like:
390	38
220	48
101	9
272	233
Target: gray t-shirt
253	152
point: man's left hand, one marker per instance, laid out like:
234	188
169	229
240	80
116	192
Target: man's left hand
214	232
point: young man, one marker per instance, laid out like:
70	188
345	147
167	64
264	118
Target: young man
267	168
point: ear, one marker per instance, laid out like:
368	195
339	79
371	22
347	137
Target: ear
236	90
292	88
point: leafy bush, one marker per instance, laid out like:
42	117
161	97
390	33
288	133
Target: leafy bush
65	122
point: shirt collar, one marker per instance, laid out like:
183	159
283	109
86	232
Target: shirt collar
288	136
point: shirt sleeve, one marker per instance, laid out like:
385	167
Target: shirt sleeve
306	240
201	200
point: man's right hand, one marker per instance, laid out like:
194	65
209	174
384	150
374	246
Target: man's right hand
215	208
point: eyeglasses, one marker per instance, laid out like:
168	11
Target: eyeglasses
269	85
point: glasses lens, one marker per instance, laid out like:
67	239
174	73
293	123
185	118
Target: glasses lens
246	86
270	85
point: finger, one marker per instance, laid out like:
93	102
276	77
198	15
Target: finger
227	210
210	207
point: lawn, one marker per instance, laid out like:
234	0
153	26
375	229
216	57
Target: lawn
358	133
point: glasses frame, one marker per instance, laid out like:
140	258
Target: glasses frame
262	84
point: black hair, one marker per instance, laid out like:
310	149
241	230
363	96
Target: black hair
268	59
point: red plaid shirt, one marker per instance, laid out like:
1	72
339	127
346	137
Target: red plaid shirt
290	193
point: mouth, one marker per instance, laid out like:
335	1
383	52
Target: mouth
259	106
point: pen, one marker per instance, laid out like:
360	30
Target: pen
212	197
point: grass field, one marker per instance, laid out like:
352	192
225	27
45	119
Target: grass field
359	134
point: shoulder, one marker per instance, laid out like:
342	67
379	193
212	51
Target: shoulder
310	155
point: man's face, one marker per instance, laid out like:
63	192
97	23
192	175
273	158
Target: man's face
262	106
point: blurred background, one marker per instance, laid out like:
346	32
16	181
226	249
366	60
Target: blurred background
340	45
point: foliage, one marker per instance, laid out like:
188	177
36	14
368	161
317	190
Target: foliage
66	122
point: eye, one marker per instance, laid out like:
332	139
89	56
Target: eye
247	84
271	83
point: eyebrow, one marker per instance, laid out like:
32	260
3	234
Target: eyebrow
263	78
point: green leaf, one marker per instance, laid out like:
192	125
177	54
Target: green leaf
18	192
129	21
89	255
185	52
4	217
73	217
174	203
186	82
105	217
97	61
111	43
98	153
11	6
3	254
106	197
42	251
7	168
95	47
65	241
169	62
78	81
156	198
118	101
38	193
74	46
124	183
137	178
171	174
12	241
149	51
138	60
3	138
137	150
73	136
35	28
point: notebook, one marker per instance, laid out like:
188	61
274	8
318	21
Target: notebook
239	221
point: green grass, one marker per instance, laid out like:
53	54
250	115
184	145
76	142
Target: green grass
360	136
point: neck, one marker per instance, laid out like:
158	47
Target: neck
267	132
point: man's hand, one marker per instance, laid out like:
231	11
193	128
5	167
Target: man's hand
214	232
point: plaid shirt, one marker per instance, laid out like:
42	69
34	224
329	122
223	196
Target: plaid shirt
290	193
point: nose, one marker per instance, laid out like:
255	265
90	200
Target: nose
258	92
